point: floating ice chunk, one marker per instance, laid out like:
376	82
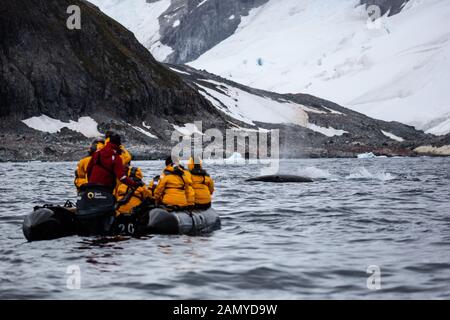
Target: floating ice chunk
235	158
367	155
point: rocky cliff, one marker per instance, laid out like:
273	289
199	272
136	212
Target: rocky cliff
202	25
100	69
53	79
391	6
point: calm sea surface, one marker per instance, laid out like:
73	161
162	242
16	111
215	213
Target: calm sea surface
278	241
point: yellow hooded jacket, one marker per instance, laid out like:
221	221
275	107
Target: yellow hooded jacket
138	196
202	183
190	192
172	186
81	177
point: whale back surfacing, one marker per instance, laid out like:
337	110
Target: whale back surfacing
280	178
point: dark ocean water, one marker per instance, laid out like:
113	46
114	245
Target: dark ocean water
291	241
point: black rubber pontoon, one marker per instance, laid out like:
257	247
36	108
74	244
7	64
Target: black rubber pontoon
53	222
49	222
280	178
181	222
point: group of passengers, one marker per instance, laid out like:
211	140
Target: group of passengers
176	188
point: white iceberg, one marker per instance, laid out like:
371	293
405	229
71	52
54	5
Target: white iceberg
235	158
367	155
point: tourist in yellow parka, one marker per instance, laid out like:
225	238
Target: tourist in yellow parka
81	177
190	192
202	183
172	187
81	172
128	198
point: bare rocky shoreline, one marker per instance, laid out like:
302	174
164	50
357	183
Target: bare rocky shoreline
67	145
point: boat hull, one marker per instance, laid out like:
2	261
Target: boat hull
53	222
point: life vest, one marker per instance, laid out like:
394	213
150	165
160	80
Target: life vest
129	198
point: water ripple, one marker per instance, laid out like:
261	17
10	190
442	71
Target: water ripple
290	241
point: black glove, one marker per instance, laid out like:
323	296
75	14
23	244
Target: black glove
139	182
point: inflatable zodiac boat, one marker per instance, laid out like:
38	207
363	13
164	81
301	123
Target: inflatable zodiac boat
53	222
94	216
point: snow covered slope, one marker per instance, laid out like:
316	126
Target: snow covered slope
142	18
396	68
250	109
178	31
85	125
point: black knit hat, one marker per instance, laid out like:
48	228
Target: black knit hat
169	161
116	139
109	134
92	149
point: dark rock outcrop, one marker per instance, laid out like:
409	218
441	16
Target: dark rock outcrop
103	72
391	6
201	27
100	70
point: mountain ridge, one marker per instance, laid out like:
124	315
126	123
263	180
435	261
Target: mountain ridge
100	69
59	88
338	50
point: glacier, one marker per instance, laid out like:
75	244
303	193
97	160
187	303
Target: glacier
393	69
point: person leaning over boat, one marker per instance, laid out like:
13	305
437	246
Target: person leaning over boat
106	166
129	198
172	187
81	177
202	183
